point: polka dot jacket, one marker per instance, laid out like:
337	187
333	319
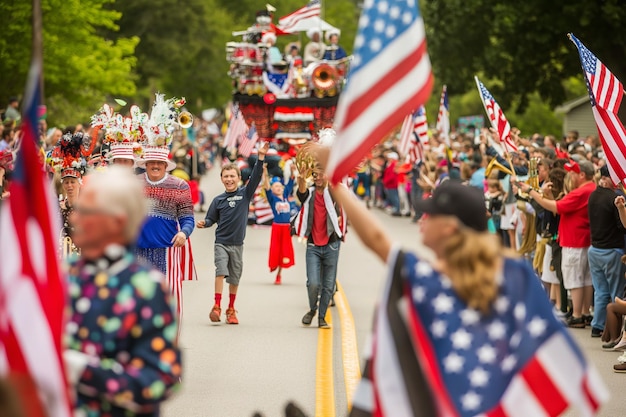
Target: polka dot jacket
121	317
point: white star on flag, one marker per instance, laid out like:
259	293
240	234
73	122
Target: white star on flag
470	316
487	354
438	328
509	363
419	293
496	330
453	363
470	401
479	377
443	304
502	304
537	326
461	339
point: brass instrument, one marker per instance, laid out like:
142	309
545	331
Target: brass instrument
300	84
305	162
324	80
185	119
68	247
533	178
494	164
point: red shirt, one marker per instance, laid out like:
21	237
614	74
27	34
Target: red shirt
319	231
574	231
390	176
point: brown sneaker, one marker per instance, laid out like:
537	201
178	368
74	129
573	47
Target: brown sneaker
231	316
216	312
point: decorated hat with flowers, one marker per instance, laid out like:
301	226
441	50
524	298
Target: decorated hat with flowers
159	130
123	134
68	157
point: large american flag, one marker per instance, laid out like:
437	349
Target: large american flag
236	128
390	76
413	134
248	141
605	93
443	117
32	291
434	356
313	8
496	118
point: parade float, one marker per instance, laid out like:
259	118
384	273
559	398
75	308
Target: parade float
288	98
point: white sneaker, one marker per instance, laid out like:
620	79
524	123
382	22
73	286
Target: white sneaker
622	358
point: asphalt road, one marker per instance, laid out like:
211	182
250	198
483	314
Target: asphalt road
270	359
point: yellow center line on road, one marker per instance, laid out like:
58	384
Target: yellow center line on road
349	349
324	381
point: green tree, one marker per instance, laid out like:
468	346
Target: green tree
522	44
181	49
81	68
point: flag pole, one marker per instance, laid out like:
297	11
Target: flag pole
37	44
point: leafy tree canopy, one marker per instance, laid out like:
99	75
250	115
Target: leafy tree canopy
524	45
81	68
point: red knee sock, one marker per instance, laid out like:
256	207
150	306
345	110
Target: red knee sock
231	304
218	299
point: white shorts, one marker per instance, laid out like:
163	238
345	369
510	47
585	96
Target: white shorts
575	268
547	275
509	217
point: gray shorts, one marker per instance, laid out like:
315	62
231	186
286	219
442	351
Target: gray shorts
229	262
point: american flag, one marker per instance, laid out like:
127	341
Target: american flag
313	8
605	93
236	128
443	117
435	356
413	134
497	118
390	76
248	141
32	290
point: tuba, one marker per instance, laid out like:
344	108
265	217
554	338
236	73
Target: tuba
185	119
324	80
494	164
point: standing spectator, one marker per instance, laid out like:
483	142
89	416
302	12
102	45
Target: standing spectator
12	113
390	183
121	359
229	211
281	247
606	251
320	221
574	237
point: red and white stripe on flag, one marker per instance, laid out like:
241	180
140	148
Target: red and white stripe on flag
236	129
32	290
606	93
443	117
390	76
313	8
248	141
496	117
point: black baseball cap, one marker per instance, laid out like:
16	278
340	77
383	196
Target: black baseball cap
464	202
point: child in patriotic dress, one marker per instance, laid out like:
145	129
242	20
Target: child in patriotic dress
281	247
